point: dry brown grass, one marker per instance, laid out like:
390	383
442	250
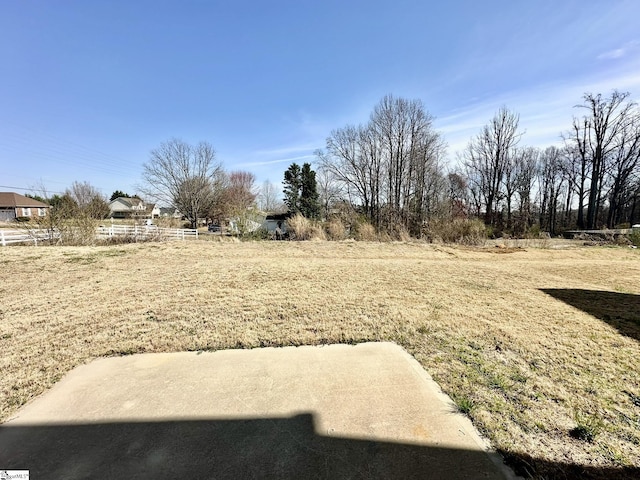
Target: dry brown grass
365	232
301	228
335	229
513	337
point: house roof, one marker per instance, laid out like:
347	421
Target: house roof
14	200
168	211
130	202
278	216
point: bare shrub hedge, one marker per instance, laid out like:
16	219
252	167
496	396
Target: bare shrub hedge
335	229
364	232
463	231
301	228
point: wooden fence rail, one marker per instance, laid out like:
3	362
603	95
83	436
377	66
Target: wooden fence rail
603	233
8	237
143	232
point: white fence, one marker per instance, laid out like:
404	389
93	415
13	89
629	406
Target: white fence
606	232
151	232
7	237
145	232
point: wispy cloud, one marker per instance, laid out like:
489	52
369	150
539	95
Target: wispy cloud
623	51
286	150
611	54
274	162
546	111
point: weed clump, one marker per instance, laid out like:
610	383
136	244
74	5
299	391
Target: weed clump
588	426
335	229
364	232
465	404
301	228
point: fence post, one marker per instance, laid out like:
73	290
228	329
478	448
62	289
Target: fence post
2	240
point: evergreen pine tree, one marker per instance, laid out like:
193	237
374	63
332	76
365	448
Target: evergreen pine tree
292	187
309	198
301	191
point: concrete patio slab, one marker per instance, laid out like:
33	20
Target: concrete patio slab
339	411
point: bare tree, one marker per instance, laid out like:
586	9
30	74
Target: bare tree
624	169
347	161
425	195
510	183
578	168
329	189
405	135
72	218
457	194
604	150
389	167
236	197
241	191
604	122
183	176
551	181
526	168
269	199
486	159
82	193
89	200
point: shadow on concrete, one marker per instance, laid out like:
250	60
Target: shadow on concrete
222	449
284	448
620	310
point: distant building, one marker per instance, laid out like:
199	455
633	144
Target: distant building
170	212
14	205
125	207
275	221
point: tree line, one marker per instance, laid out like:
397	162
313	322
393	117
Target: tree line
392	170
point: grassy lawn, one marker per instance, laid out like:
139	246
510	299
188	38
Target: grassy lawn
540	347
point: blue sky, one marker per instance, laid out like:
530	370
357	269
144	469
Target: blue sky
88	88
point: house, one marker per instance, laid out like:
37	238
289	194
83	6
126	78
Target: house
167	212
14	205
275	221
241	225
125	207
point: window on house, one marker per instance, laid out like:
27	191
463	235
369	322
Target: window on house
42	212
26	212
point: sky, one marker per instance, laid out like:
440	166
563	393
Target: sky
89	88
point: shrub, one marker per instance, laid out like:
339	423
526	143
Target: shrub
335	229
395	232
258	234
458	230
317	233
534	231
623	241
402	234
301	228
364	232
